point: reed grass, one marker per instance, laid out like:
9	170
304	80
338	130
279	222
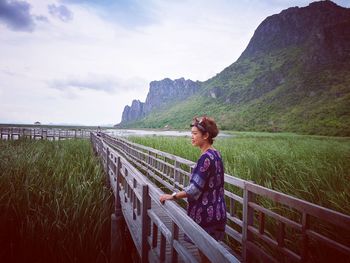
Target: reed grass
313	168
54	206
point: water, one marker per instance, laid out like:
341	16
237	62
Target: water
126	133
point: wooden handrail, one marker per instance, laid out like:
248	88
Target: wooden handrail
12	133
149	158
209	246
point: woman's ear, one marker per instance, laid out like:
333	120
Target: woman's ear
206	136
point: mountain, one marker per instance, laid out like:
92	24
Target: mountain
161	94
293	76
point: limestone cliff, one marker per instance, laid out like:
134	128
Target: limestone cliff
161	93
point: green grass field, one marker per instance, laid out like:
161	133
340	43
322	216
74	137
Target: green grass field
314	168
54	206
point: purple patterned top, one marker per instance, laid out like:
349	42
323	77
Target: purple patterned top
206	203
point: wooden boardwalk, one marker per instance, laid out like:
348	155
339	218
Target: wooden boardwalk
290	232
15	133
157	229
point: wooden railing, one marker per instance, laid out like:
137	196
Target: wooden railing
13	133
262	224
138	199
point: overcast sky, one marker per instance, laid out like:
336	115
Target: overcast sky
81	62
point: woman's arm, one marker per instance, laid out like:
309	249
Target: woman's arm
197	182
179	195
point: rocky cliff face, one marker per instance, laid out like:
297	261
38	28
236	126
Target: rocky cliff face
322	28
165	91
287	48
133	112
161	93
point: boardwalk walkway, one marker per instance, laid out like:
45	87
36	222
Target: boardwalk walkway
13	133
157	229
293	231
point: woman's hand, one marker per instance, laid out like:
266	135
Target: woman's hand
164	197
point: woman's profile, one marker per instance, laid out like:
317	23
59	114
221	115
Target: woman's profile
205	193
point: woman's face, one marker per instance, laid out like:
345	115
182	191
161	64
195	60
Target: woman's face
198	138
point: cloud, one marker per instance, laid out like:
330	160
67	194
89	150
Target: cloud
87	70
61	12
84	84
95	82
16	15
130	14
41	18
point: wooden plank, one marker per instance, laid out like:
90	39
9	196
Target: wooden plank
261	222
235	219
248	220
233	233
305	239
275	244
157	197
276	216
211	248
161	226
154	234
234	181
162	248
186	256
175	237
152	160
320	212
280	234
146	205
340	247
134	228
260	254
234	196
151	150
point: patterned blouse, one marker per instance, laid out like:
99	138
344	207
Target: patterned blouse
206	203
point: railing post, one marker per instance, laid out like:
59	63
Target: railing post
107	167
175	236
248	220
117	222
149	157
305	241
176	173
146	204
117	198
134	198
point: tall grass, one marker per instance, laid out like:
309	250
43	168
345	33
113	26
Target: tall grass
314	168
54	206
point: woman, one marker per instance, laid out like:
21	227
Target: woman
205	193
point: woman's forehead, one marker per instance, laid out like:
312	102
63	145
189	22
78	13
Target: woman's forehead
194	129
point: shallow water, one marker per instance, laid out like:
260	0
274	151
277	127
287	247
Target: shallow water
125	133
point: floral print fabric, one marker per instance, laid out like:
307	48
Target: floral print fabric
206	202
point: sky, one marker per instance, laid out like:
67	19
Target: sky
81	61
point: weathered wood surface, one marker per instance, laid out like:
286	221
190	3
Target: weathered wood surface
157	229
246	216
15	133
